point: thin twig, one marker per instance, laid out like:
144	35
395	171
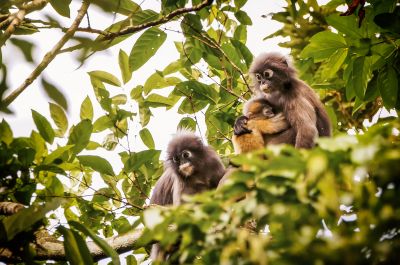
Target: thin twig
50	55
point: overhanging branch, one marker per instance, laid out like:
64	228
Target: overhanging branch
49	56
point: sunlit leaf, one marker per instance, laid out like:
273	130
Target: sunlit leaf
60	119
55	94
136	160
360	75
56	154
105	77
123	60
102	123
6	134
86	109
145	47
334	63
43	127
156	81
80	135
147	139
187	123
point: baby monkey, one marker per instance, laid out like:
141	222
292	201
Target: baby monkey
260	120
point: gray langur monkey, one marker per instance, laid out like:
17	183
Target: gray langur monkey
190	168
275	78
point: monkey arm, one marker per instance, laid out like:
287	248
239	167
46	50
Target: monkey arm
272	125
303	119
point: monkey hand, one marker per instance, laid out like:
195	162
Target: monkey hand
240	126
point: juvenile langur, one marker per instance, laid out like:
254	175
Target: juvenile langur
190	168
260	121
275	79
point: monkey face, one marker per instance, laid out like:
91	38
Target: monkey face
183	163
271	72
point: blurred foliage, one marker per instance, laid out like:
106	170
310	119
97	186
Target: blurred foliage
335	204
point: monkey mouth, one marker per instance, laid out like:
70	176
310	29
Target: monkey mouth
265	88
186	169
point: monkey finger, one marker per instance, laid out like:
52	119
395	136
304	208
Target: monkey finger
240	126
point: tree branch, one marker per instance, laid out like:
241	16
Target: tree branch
49	56
162	20
49	248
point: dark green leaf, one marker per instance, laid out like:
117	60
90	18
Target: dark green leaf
107	249
361	75
323	45
243	18
203	91
55	94
145	47
147	139
388	86
97	163
25	47
346	25
136	160
124	7
43	127
61	6
26	218
334	63
56	154
76	250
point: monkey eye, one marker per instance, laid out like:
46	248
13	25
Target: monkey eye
186	154
258	76
268	73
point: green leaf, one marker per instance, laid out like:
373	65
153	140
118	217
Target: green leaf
76	250
345	24
243	18
334	63
145	47
136	92
119	99
25	219
105	77
156	81
60	119
155	100
240	3
136	160
191	106
55	94
25	47
56	154
124	7
144	114
131	260
61	6
80	135
43	127
102	123
323	45
147	139
388	86
97	163
244	52
203	91
107	249
187	123
86	109
6	134
123	61
360	75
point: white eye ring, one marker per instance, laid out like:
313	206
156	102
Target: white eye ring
258	76
268	73
186	154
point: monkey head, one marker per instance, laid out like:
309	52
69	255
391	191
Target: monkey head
258	108
271	72
185	154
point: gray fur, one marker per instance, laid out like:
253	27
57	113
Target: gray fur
300	104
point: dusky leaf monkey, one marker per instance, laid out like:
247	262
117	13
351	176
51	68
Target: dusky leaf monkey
261	120
190	167
275	79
